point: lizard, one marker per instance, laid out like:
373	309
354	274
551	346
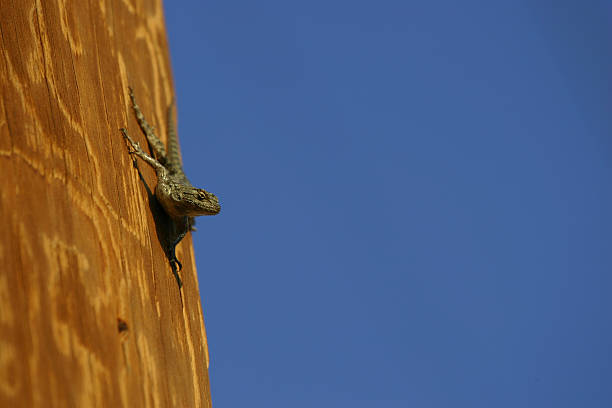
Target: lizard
178	197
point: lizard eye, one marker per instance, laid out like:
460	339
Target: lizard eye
202	195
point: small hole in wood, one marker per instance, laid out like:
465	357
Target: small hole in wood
122	325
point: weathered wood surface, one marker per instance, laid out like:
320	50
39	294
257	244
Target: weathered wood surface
90	313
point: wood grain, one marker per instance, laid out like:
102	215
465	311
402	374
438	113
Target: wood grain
90	313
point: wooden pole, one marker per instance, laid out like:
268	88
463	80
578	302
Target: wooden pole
90	312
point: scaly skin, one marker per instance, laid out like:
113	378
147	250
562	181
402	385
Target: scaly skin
177	196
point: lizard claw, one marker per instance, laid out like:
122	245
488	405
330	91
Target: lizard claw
173	260
179	282
175	272
134	146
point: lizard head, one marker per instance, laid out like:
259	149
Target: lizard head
182	200
197	201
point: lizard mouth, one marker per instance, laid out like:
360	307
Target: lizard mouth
210	209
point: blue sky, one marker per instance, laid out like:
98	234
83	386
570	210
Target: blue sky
415	197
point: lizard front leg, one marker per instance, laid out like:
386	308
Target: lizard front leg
158	147
142	154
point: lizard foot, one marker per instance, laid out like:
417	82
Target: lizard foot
175	272
173	264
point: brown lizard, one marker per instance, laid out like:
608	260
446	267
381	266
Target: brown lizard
180	200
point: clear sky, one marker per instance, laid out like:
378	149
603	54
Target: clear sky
416	199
